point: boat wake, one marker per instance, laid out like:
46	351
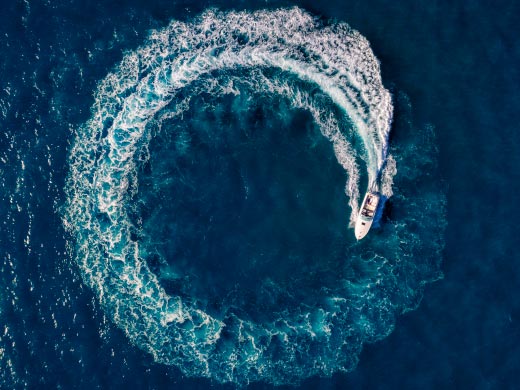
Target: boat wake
324	68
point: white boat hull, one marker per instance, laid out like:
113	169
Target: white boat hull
366	214
362	228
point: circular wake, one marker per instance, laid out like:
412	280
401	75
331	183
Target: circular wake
325	69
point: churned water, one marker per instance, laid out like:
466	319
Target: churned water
179	183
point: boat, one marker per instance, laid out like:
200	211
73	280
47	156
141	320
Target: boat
366	214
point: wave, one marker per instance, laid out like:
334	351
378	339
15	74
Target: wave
188	58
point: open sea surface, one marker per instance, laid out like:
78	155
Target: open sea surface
179	183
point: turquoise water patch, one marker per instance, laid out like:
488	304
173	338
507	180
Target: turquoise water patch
199	214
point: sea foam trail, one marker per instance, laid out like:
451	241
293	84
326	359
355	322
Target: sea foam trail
103	180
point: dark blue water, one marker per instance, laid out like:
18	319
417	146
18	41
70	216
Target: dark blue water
181	218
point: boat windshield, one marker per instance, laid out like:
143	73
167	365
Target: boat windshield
367	213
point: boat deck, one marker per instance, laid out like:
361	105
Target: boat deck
370	206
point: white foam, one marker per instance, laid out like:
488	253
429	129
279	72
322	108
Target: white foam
387	176
102	175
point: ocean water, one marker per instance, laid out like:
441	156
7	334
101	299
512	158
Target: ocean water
179	182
